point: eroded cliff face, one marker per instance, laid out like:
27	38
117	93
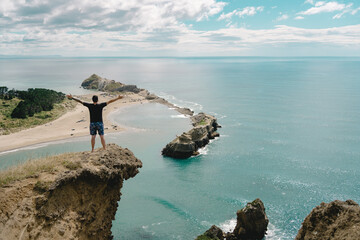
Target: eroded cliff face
75	200
336	220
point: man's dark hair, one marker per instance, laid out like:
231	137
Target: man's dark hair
95	98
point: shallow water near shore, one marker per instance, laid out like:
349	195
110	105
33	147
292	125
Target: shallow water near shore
290	136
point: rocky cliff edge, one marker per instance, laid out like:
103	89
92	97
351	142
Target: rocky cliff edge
336	220
70	196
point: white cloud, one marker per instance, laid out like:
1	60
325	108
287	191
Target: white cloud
286	34
227	16
327	7
353	12
114	15
348	9
183	41
247	11
299	18
320	3
282	17
321	7
140	27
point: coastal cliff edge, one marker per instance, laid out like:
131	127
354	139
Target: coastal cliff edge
69	196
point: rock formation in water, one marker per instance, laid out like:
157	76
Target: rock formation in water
156	99
77	199
251	224
187	144
106	85
336	220
214	233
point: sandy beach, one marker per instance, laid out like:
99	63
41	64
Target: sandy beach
74	123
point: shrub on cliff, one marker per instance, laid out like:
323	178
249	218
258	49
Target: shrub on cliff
36	100
6	94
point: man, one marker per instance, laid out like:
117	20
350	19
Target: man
96	121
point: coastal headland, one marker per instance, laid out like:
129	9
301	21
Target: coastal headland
184	146
75	122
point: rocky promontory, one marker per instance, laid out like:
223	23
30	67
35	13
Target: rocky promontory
188	144
336	220
251	224
69	196
183	146
96	82
102	84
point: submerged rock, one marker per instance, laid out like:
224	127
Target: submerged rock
187	144
76	199
336	220
214	233
251	224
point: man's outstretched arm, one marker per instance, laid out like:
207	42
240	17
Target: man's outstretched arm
113	100
71	97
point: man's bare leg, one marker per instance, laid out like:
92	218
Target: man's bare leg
92	142
103	141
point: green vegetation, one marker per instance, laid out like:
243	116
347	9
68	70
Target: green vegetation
71	165
204	237
9	103
202	122
41	186
35	101
32	168
91	82
113	86
6	94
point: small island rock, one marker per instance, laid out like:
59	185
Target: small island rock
102	84
187	144
251	224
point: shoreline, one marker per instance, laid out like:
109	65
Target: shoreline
74	123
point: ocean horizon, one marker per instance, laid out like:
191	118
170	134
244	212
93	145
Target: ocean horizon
290	136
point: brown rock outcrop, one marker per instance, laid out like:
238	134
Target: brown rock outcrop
336	220
103	84
251	224
187	144
214	233
77	198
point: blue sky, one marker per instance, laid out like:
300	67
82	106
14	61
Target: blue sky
180	28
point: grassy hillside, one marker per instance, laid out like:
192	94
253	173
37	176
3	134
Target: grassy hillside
9	125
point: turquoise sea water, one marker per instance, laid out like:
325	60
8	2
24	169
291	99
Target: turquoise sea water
290	136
